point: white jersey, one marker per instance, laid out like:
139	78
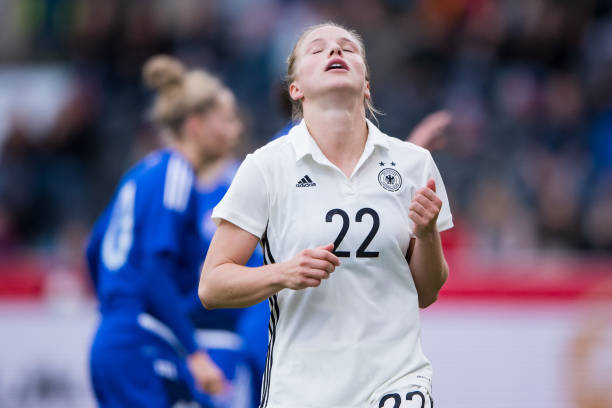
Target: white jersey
357	335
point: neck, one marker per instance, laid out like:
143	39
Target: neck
339	131
211	169
197	160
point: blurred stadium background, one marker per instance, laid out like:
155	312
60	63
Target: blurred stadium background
526	316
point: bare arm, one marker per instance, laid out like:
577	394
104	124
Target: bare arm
430	133
226	282
426	258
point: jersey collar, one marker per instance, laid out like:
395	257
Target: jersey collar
304	144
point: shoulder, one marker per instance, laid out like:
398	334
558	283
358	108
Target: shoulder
272	155
220	182
407	149
169	172
151	166
285	130
178	182
398	146
277	146
395	143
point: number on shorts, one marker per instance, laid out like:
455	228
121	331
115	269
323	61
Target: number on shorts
413	393
397	400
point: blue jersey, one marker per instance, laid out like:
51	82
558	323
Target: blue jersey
249	325
209	195
285	129
145	250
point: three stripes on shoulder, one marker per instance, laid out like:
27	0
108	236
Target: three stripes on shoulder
177	187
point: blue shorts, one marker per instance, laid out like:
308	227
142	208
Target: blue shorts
131	368
225	349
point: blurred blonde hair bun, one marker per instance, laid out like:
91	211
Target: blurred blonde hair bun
180	93
161	71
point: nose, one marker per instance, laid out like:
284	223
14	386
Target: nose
335	49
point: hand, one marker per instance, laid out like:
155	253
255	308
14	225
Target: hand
310	266
206	374
430	133
424	209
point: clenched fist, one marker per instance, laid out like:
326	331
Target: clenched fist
310	267
424	209
208	377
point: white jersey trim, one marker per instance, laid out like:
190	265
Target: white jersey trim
177	187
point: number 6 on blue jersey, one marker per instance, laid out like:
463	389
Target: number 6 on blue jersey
120	232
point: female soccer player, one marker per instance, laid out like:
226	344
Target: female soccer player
235	350
145	251
349	219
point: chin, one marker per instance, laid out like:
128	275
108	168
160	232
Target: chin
341	85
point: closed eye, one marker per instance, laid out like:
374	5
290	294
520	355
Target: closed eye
317	51
347	50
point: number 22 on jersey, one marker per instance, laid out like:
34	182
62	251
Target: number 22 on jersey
361	251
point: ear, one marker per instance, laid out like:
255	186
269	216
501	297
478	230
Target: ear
192	124
366	91
294	91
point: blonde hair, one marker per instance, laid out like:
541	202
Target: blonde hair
296	106
180	93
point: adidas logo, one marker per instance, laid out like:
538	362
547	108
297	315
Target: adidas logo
306	182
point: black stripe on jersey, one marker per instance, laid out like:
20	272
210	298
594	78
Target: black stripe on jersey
303	180
308	178
265	384
273	300
274	315
266	246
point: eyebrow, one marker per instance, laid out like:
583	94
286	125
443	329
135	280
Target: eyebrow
348	40
342	40
316	40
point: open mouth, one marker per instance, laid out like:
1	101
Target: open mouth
336	65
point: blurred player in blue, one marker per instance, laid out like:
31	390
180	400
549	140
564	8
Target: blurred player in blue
236	339
145	253
218	330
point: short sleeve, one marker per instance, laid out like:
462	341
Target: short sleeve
168	206
165	229
445	218
246	202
